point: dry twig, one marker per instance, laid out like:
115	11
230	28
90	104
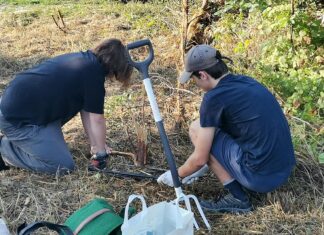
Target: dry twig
60	19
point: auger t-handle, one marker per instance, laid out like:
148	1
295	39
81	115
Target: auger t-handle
142	67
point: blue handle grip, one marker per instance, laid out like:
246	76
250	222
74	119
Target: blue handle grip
142	66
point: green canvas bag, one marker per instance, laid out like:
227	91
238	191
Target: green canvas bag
96	217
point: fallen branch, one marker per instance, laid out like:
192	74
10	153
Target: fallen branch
128	154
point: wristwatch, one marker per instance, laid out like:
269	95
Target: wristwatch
98	161
100	156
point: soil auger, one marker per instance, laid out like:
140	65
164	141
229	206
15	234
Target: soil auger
143	67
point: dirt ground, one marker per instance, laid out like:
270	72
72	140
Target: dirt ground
29	36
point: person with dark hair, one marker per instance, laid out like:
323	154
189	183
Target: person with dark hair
242	134
40	100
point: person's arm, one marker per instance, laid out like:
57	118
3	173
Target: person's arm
95	128
86	126
197	159
201	153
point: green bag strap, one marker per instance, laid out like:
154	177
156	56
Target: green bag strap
89	219
26	229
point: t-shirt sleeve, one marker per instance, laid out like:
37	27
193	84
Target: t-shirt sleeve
94	92
211	111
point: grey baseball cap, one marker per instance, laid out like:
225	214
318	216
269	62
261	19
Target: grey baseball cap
198	58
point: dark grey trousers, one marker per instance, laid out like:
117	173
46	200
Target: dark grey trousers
37	148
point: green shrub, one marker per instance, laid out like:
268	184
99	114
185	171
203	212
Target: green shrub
284	52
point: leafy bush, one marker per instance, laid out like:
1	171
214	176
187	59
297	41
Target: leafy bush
292	59
283	51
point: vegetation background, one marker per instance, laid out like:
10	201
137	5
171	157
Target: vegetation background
278	42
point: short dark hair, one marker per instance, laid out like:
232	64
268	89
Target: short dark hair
218	69
112	54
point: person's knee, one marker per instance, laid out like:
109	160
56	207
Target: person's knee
67	166
61	167
70	166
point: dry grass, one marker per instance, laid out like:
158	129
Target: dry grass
29	35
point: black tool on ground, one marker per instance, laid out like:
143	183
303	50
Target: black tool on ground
28	229
98	163
121	174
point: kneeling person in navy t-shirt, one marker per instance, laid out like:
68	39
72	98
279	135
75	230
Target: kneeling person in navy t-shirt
40	100
242	133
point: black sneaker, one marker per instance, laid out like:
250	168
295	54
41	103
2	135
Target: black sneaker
228	204
2	163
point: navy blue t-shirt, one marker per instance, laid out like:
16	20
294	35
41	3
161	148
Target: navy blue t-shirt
250	114
56	89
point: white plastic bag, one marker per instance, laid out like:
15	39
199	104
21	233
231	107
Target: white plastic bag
164	218
3	227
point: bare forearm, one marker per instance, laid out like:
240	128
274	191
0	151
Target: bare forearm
98	129
203	142
95	128
191	165
86	125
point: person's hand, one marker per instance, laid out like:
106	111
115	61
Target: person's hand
166	178
108	149
195	176
94	149
98	161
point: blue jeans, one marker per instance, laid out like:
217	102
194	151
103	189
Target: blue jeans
37	148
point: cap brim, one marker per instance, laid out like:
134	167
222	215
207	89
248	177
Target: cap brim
184	77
